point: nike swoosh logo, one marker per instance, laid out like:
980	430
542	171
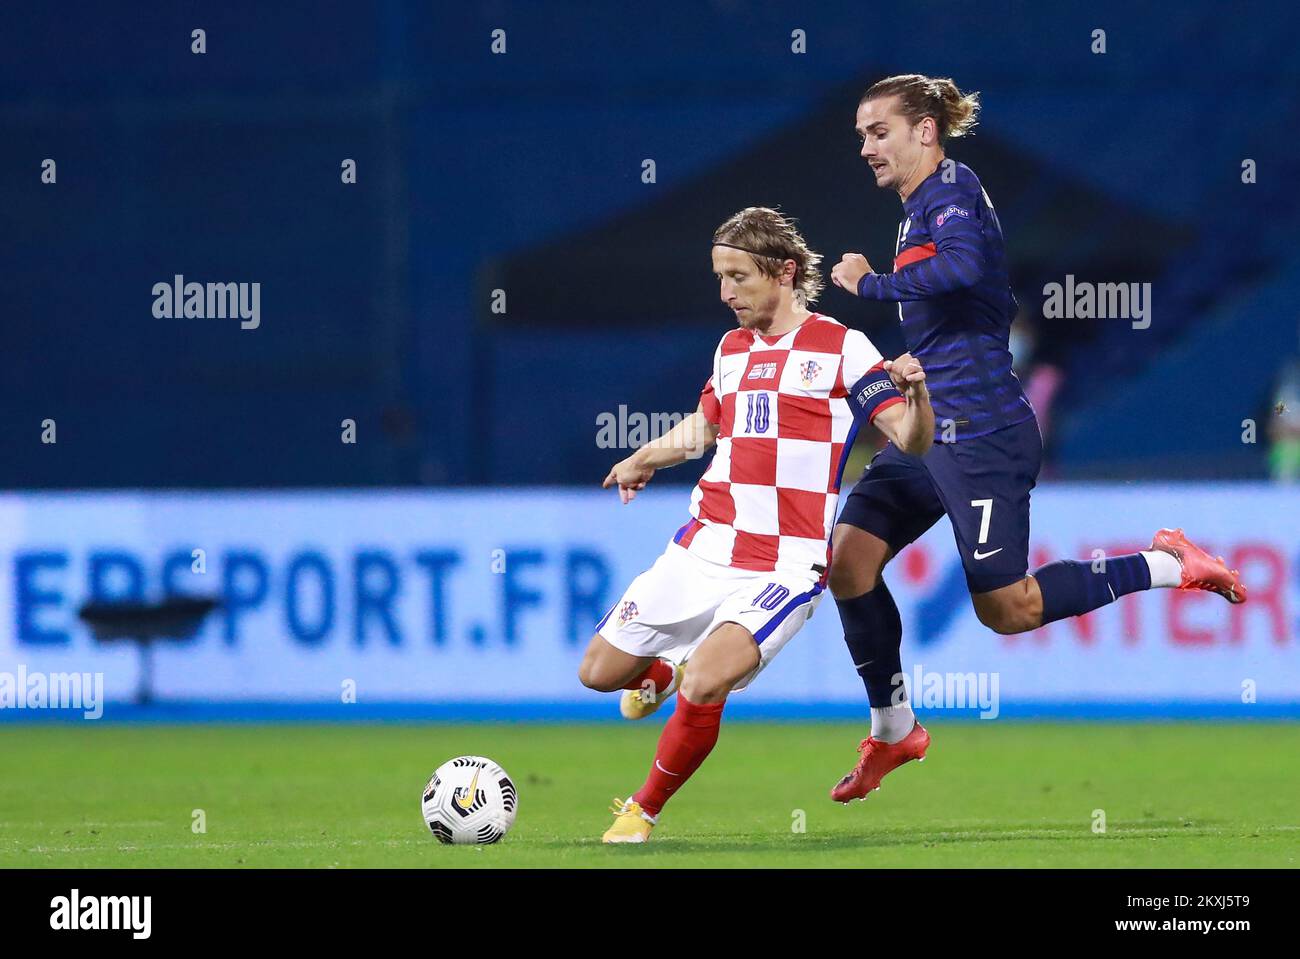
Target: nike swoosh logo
470	793
992	552
662	770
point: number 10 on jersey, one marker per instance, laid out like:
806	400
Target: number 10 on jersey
757	412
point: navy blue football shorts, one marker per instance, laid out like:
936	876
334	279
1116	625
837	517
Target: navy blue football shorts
983	485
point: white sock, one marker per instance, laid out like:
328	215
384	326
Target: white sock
889	724
1166	571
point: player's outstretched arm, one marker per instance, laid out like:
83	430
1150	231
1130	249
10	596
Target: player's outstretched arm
910	424
958	264
689	439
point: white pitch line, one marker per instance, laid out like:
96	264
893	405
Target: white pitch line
259	844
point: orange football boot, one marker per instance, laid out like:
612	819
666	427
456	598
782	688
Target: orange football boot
1200	569
878	760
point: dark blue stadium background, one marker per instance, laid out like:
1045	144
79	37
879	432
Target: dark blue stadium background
522	172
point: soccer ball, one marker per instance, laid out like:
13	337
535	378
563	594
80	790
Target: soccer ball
469	801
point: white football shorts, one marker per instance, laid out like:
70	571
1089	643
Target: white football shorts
671	607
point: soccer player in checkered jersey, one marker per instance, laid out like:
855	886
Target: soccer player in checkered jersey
955	304
786	393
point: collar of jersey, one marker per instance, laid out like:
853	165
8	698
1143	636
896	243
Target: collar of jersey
773	340
914	199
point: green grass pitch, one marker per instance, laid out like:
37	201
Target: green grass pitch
990	794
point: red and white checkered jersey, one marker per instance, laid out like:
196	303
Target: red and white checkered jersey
768	499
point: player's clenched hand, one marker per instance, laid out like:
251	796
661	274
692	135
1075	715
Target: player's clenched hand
629	476
907	375
849	271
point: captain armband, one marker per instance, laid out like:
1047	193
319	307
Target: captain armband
873	393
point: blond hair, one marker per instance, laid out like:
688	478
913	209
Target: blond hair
771	238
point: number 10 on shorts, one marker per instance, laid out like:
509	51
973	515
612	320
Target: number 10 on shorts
771	597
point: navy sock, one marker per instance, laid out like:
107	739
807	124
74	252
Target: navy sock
873	632
1071	588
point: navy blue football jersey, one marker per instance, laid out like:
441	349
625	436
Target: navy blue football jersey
955	303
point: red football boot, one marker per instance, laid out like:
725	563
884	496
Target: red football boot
1200	569
878	760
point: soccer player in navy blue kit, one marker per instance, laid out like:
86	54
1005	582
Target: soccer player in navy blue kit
955	304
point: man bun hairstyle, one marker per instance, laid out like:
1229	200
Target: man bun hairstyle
771	238
955	113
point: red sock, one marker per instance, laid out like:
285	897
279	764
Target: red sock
660	672
687	739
